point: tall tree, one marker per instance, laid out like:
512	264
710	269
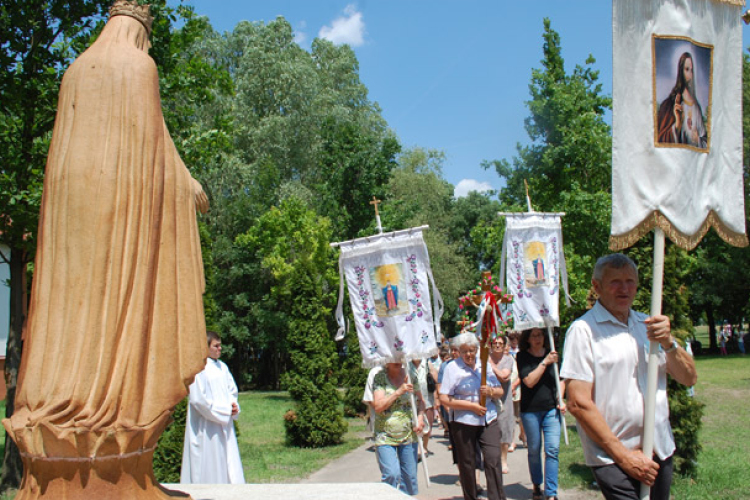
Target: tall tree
567	163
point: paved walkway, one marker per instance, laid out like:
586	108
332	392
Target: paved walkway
360	466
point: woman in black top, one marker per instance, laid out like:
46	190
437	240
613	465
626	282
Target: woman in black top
540	412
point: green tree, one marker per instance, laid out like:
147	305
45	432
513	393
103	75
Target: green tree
567	163
292	246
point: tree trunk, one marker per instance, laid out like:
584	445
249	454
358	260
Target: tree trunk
713	347
12	466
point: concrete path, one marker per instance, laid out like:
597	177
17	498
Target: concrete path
360	466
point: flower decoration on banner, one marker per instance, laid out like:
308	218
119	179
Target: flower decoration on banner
425	337
555	266
368	311
373	347
416	301
398	344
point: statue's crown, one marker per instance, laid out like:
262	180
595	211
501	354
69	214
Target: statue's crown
133	9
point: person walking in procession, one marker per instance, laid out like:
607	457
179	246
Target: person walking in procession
211	454
395	433
473	423
605	364
540	413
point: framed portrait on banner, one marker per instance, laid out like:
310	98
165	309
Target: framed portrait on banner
682	87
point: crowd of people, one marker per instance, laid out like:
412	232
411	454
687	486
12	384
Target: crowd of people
518	393
603	375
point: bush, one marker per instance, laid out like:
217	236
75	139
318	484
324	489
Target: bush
315	423
685	415
168	453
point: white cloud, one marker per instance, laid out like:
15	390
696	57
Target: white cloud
349	28
466	186
300	36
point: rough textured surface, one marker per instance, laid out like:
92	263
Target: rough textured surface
116	329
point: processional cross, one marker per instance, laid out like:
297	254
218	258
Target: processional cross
489	320
377	202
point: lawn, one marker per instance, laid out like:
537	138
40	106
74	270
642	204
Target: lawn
723	465
265	456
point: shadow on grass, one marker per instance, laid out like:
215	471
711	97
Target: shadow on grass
582	472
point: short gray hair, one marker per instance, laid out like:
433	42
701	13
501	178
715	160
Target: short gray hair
613	261
466	338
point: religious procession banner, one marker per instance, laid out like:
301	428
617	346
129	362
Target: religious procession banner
677	121
388	278
533	265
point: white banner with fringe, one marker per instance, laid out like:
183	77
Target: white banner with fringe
534	264
388	277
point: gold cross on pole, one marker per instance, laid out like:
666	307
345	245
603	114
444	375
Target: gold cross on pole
376	202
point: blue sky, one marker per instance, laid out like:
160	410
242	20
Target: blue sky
448	74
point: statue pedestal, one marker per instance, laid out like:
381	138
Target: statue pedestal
117	478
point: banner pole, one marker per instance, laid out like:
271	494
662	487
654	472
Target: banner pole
415	416
557	384
649	417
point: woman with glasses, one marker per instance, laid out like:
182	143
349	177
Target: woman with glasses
540	412
502	365
473	423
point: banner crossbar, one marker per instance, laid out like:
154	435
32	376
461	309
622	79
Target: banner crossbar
375	237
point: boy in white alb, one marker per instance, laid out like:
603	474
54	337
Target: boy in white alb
211	454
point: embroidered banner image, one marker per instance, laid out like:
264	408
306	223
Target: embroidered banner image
389	280
533	266
677	121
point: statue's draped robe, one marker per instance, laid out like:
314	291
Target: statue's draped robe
116	329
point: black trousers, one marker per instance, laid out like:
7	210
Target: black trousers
616	485
465	438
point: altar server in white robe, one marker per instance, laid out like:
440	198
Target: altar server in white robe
211	454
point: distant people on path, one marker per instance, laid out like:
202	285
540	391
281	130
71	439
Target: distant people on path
473	423
515	386
723	343
211	454
540	412
502	365
606	370
395	433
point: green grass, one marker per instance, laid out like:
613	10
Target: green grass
723	465
266	457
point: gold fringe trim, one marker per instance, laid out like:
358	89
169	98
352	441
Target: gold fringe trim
682	240
739	3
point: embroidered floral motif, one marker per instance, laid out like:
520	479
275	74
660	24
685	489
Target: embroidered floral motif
373	347
398	344
425	337
555	268
368	311
416	301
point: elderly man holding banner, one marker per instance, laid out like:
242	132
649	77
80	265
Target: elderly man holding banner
604	349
